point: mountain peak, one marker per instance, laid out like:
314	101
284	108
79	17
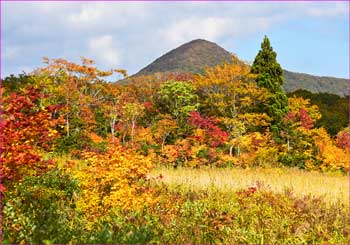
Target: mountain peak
198	41
192	56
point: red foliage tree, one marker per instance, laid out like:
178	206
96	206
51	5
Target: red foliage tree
26	127
302	118
216	135
305	119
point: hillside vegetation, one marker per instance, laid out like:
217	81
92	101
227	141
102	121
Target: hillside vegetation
315	84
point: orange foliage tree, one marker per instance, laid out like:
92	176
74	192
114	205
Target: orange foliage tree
79	88
329	155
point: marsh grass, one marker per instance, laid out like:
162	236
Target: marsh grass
333	187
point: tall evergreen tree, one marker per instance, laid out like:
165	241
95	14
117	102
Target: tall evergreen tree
270	76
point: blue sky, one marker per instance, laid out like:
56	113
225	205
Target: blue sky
309	37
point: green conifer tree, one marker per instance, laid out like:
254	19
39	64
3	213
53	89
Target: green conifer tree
270	76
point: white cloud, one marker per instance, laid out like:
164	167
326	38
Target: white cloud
182	31
86	16
104	50
322	10
107	16
214	28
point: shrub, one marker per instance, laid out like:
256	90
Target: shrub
76	141
42	210
253	215
128	227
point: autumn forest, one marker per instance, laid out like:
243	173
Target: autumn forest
85	159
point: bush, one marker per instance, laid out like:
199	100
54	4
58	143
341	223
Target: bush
124	228
42	210
264	217
254	215
76	141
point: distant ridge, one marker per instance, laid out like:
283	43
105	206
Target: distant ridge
197	54
315	84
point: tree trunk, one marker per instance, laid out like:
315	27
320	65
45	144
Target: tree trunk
231	150
67	125
112	124
132	132
163	141
124	136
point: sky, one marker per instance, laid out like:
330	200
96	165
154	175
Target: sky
309	37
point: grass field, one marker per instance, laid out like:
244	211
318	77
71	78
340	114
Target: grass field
334	187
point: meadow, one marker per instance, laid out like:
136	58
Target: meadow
334	187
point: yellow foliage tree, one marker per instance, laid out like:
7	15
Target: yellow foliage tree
116	180
229	92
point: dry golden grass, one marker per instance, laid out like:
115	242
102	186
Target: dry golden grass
333	187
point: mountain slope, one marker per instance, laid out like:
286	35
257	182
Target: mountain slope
189	57
198	54
315	84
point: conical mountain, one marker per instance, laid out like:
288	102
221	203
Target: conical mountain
194	56
189	57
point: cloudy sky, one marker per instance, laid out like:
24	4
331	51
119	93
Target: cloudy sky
309	37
